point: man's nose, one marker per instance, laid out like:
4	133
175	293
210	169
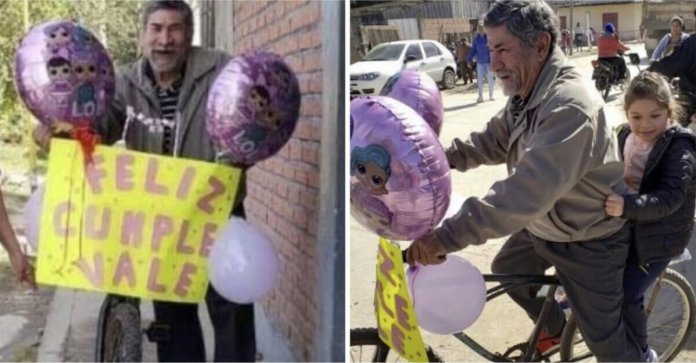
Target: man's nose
165	37
496	63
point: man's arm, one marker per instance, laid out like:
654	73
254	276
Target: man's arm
558	154
488	147
657	53
110	126
472	53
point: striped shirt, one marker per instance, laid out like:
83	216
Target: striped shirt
168	100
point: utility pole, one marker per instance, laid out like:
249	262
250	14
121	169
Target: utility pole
28	127
571	29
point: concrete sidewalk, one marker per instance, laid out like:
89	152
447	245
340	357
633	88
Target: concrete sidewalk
71	327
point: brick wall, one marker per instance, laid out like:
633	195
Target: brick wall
432	28
283	191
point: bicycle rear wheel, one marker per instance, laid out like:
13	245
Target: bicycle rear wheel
366	346
669	324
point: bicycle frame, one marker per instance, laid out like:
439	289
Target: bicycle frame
507	284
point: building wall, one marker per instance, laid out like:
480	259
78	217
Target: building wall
630	16
470	9
283	192
435	29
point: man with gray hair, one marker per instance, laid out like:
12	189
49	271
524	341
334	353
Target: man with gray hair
562	162
159	107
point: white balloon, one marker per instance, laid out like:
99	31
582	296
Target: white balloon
32	216
449	297
243	265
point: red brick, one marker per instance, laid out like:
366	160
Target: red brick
310	153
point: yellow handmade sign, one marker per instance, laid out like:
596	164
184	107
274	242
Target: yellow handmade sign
131	223
396	319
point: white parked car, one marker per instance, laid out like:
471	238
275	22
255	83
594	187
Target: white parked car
368	76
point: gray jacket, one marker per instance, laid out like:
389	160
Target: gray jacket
562	164
136	109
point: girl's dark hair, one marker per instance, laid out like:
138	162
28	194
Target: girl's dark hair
57	62
649	85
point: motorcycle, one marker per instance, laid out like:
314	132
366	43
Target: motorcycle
606	75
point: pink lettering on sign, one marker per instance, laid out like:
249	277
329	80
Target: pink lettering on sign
124	174
379	292
184	282
386	266
163	226
401	312
181	246
132	228
94	274
185	183
217	188
95	173
397	340
208	238
60	220
124	270
152	283
151	185
92	230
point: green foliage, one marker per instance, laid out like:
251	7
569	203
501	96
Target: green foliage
114	22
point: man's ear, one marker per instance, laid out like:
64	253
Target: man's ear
542	46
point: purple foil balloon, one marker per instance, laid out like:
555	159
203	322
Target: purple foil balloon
253	107
419	91
400	177
63	73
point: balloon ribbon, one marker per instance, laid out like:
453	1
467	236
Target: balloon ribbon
87	138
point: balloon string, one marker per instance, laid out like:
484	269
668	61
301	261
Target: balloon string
66	238
412	279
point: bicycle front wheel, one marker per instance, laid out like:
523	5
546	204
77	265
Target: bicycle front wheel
122	334
366	346
670	321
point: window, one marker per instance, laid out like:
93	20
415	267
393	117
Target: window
431	50
414	51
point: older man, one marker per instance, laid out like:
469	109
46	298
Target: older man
159	107
562	162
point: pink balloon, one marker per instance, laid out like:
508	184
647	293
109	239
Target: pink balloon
243	265
253	107
420	92
400	178
63	73
449	297
32	216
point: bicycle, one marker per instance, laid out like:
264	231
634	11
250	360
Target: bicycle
572	346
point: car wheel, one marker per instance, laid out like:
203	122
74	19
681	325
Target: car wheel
448	79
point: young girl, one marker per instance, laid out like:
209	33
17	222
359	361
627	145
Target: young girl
659	159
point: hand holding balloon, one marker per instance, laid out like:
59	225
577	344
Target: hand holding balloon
427	250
